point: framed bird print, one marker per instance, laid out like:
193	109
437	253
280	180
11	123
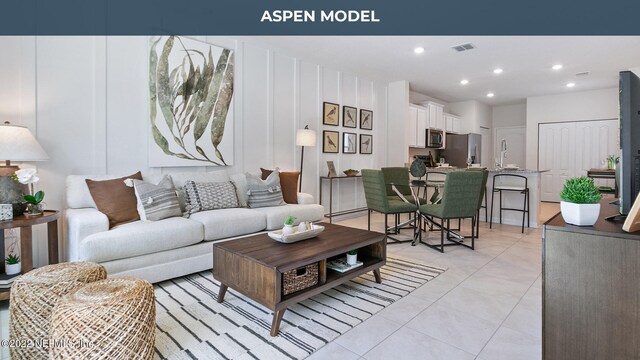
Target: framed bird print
366	144
349	117
330	141
330	114
349	142
366	119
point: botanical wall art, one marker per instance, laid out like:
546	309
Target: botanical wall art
349	142
366	144
349	117
330	141
330	114
191	103
366	119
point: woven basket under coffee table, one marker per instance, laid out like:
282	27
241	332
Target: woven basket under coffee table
33	296
108	319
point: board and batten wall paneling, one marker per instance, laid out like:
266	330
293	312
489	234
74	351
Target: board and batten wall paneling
87	101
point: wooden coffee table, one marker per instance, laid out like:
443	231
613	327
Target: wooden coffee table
253	266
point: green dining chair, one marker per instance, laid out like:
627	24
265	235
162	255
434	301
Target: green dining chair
375	192
483	196
460	199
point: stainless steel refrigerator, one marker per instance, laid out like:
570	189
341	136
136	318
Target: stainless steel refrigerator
460	147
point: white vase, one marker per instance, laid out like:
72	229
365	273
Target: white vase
288	230
12	269
352	259
579	214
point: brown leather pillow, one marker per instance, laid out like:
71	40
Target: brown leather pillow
115	199
288	183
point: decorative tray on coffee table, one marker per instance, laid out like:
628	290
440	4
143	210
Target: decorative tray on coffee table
297	236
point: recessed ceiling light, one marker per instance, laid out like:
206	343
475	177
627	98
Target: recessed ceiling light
490	95
557	67
464	82
418	50
497	71
570	85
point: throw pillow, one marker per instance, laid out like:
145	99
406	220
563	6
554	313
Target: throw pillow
288	183
115	199
264	193
157	202
209	196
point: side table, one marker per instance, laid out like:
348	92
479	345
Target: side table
331	214
50	217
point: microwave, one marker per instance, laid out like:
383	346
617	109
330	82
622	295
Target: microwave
435	138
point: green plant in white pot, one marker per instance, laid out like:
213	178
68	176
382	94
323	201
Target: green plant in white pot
288	225
580	203
352	257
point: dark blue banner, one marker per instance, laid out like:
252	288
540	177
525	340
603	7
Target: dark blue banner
312	17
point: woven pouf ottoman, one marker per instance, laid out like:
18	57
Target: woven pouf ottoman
32	298
108	319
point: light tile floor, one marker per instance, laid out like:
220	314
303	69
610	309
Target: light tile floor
486	306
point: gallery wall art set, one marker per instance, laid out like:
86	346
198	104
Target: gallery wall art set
350	119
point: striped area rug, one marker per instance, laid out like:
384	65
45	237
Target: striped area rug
191	324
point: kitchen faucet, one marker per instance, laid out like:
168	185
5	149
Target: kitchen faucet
503	152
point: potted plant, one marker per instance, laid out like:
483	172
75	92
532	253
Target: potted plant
12	264
580	201
612	160
352	257
34	199
288	228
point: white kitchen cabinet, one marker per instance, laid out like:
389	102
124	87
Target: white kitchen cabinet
412	126
416	126
421	128
435	115
451	123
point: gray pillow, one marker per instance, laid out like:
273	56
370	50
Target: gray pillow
156	202
210	196
264	193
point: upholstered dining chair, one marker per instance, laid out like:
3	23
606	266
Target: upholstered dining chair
398	177
483	196
375	192
460	198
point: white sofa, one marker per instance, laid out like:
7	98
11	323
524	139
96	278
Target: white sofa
172	247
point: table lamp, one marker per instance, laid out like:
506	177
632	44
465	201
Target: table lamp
304	137
16	144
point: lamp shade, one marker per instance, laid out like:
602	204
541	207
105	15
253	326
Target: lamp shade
18	144
306	137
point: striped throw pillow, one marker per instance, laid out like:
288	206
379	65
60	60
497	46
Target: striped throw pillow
156	202
264	193
210	196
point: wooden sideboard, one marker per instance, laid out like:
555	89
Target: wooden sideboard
590	290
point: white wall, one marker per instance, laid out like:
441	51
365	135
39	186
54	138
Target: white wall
86	99
575	106
509	115
398	115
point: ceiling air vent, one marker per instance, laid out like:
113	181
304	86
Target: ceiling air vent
463	47
584	73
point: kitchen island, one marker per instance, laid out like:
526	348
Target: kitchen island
510	199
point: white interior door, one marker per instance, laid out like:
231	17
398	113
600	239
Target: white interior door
516	144
557	154
595	141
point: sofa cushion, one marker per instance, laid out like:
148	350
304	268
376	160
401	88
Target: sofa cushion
156	202
140	238
210	196
277	214
224	223
115	199
288	183
264	193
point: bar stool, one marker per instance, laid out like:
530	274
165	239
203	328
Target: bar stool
518	188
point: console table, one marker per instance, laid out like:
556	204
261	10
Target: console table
604	174
331	214
50	217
